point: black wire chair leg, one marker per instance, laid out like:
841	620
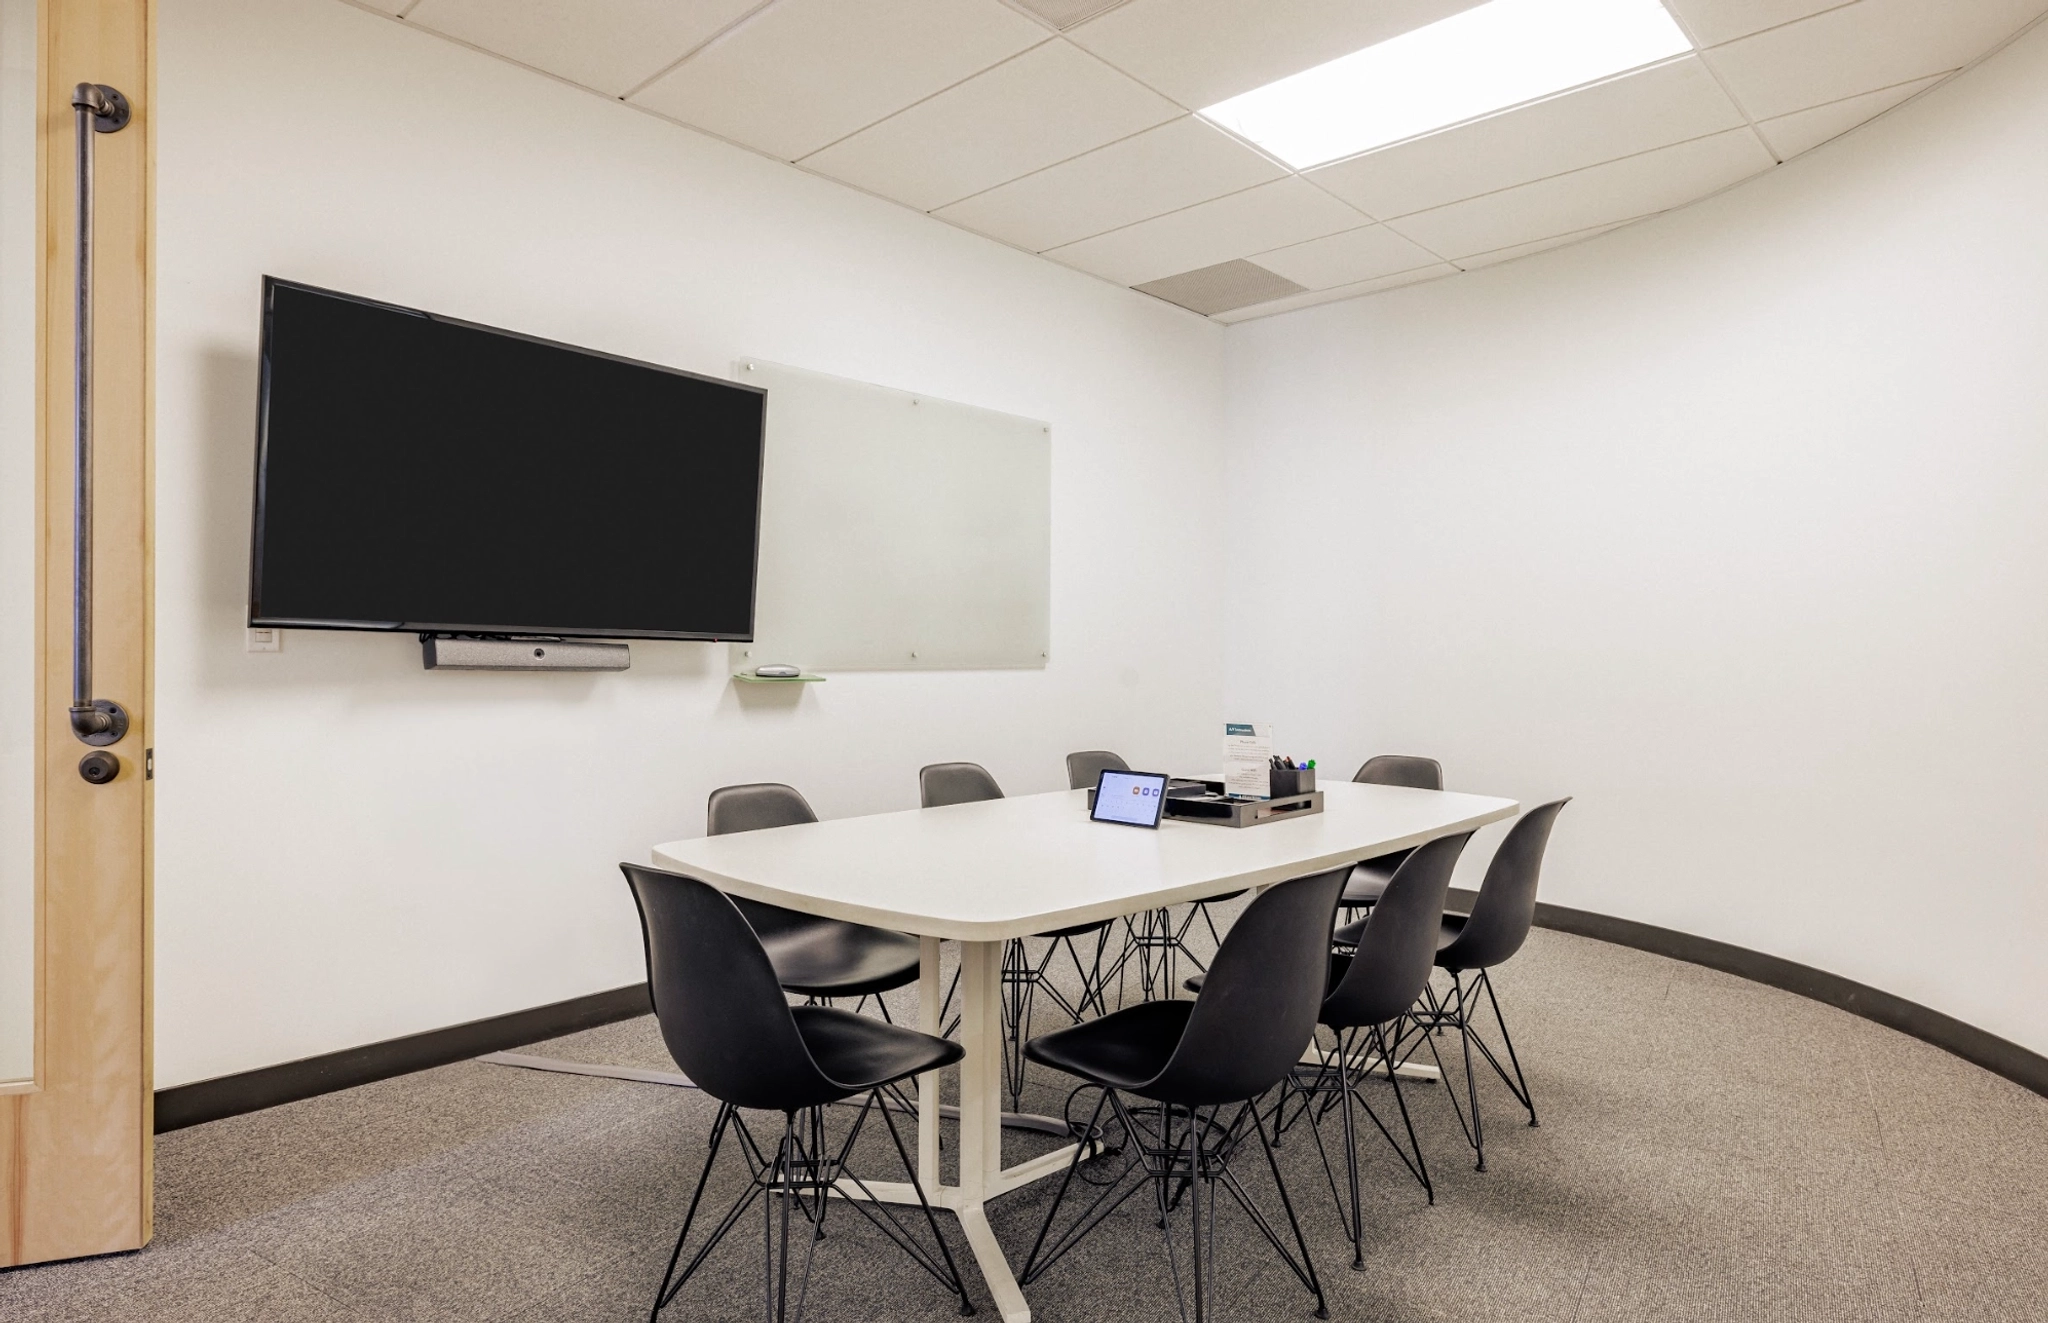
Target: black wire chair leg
663	1294
1345	1098
1421	1167
1518	1084
1478	1131
1308	1266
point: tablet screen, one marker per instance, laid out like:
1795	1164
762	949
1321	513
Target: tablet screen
1133	798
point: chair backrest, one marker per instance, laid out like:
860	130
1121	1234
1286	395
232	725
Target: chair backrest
1257	1009
1400	769
753	807
956	783
1398	948
721	1012
1085	768
1507	897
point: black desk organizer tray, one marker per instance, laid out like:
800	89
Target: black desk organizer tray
1205	802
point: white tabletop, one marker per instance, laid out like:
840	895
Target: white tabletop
1012	867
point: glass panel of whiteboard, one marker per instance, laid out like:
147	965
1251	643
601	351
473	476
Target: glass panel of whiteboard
899	532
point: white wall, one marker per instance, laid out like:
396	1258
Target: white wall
349	848
1733	524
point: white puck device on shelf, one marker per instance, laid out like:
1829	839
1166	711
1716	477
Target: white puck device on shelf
777	672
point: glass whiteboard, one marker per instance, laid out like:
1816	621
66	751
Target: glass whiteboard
899	532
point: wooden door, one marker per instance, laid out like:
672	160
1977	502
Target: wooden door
75	1142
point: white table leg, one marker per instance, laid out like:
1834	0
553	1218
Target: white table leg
981	1120
929	993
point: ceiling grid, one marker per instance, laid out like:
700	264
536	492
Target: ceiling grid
1068	128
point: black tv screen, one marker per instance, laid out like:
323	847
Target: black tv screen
415	472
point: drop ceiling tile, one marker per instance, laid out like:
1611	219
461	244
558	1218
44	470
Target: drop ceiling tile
1510	253
1219	288
611	45
1616	191
804	73
1861	47
1712	22
1654	108
1200	52
1257	220
1044	106
1803	130
1176	165
392	7
1352	291
1347	257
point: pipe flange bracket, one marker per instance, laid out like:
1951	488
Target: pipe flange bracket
105	722
110	109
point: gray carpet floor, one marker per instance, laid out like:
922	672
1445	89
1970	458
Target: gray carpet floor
1710	1150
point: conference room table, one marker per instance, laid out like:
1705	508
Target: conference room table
983	873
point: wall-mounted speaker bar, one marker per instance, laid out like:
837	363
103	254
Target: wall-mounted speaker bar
467	654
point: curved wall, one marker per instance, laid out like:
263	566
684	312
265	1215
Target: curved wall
1733	524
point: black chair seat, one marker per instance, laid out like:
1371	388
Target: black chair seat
858	1052
1078	929
831	958
1123	1049
1368	881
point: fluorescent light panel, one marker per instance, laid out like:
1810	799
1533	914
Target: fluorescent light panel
1485	59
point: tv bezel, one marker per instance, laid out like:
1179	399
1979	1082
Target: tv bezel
472	628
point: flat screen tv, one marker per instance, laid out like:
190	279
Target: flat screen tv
415	472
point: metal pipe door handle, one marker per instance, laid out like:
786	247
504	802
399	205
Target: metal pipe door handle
97	109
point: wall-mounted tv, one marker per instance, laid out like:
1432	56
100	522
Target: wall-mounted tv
419	473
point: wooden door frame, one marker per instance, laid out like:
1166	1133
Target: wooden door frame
75	1143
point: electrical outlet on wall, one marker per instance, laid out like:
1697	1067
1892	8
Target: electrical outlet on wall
266	640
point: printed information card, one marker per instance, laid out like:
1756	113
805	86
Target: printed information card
1247	759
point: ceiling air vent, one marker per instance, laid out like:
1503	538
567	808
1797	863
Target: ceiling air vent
1064	14
1220	288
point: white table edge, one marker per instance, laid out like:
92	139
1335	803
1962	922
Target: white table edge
1002	930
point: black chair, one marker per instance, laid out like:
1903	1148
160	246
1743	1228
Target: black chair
1194	1060
1371	992
1473	944
814	957
1085	768
724	1017
1370	878
1023	975
1154	938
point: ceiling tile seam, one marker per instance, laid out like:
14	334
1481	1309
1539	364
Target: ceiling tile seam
903	110
406	12
1518	107
1790	22
1175	211
1572	238
431	34
435	34
1939	78
1544	179
1435	258
1069	160
1336	298
716	37
1700	50
1377	220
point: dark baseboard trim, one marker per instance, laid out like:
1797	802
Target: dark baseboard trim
2000	1056
232	1095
